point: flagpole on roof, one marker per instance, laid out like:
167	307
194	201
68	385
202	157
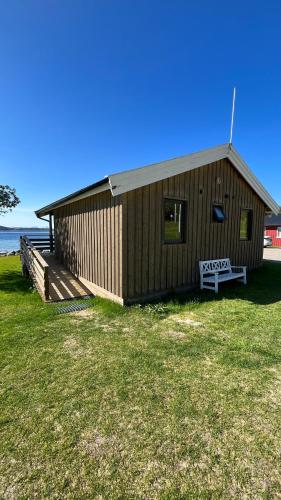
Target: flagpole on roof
232	116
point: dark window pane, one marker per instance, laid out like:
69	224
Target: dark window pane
218	213
245	224
173	220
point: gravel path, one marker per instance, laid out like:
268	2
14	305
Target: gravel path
272	254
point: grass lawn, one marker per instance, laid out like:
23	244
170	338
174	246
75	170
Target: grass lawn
177	400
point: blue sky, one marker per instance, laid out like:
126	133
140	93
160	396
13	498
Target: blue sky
88	88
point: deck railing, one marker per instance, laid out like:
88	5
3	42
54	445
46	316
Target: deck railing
34	265
40	244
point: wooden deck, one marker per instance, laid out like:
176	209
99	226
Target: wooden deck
62	284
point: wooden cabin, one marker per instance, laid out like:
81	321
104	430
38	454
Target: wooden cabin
140	234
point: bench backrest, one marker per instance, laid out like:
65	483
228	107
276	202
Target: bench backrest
219	265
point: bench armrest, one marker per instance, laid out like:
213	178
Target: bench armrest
239	267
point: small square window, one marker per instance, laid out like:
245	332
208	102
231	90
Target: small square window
218	213
246	224
174	215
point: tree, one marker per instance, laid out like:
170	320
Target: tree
8	199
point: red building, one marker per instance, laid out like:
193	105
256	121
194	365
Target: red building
273	229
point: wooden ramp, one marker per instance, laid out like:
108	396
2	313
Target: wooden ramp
62	284
51	279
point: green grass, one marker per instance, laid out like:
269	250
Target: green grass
171	232
179	399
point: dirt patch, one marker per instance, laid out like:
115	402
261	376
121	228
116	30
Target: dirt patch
72	346
96	318
71	343
273	396
85	313
96	445
175	334
11	492
185	320
128	331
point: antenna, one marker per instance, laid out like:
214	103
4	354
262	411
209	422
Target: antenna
232	115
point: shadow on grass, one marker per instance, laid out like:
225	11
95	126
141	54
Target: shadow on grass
263	288
13	281
228	354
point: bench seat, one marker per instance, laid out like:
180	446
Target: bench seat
213	272
224	277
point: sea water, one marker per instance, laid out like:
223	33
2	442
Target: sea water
10	240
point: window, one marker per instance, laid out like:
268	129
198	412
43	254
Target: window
279	232
218	213
174	214
246	224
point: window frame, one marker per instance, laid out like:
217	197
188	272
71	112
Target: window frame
219	205
250	224
183	221
278	232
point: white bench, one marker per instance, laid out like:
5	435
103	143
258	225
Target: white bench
213	272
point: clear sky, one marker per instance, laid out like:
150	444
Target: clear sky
88	88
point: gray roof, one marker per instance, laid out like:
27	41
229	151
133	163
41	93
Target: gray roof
128	180
273	220
81	193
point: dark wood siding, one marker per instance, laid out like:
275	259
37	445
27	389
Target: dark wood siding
150	266
89	242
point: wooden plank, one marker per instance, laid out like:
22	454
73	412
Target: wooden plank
37	256
68	235
185	248
203	202
189	227
39	240
151	236
177	189
101	292
98	253
83	238
120	240
131	242
112	245
159	246
177	278
101	256
145	240
75	235
35	266
234	215
116	263
164	246
105	255
138	242
91	239
46	284
109	246
226	182
86	239
197	212
94	238
122	255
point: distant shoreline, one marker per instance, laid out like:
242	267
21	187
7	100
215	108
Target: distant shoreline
4	229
